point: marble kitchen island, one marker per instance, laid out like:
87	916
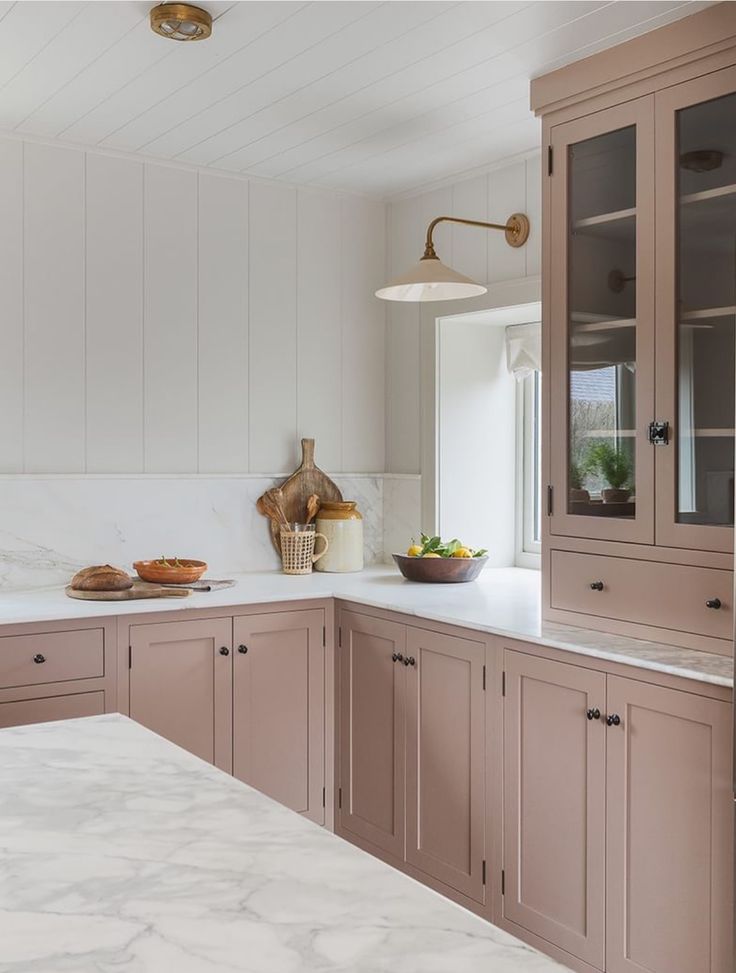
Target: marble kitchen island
120	851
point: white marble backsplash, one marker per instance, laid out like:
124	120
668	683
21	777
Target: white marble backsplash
402	511
50	526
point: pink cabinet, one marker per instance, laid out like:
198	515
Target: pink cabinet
554	803
42	710
412	748
371	715
669	831
181	684
278	707
618	819
445	752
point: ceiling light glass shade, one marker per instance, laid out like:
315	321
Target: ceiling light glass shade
430	280
181	22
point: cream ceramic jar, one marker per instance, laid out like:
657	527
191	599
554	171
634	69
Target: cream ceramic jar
342	525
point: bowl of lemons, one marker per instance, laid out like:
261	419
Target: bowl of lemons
434	561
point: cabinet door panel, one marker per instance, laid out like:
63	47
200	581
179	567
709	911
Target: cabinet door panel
554	816
669	845
73	706
600	392
180	684
278	707
696	311
445	748
372	731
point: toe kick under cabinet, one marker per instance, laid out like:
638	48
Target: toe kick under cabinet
639	312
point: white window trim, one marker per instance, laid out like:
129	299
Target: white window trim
528	551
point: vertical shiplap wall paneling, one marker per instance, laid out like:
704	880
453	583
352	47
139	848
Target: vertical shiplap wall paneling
364	332
319	325
170	323
272	411
114	318
506	195
534	212
469	243
11	318
54	397
223	324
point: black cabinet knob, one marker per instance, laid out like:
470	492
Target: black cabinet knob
397	657
410	661
38	658
713	603
613	720
596	586
224	650
242	649
593	714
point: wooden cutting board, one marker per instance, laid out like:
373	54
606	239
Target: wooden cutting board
140	589
305	481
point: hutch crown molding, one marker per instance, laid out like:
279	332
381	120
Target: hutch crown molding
639	306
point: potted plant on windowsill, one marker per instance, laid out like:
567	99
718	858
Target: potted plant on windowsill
615	467
575	475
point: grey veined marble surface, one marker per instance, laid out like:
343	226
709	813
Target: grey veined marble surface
121	852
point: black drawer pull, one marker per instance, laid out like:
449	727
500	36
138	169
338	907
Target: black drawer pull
38	658
593	714
224	650
397	657
713	603
596	586
613	720
242	649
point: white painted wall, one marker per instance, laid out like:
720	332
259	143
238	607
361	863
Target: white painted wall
161	319
481	254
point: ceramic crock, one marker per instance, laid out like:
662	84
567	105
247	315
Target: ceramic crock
342	524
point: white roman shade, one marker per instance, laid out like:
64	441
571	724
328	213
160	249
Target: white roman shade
524	349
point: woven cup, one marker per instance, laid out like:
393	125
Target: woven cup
297	548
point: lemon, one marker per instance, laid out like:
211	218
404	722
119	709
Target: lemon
431	554
414	551
462	552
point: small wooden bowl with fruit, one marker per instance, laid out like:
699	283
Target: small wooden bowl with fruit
171	570
436	562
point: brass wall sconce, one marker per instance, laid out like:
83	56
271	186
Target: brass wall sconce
431	280
180	22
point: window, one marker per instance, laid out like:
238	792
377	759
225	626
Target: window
529	471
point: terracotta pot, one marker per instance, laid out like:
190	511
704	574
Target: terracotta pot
342	524
578	495
615	496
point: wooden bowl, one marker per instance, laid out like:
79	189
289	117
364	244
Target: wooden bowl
440	570
185	572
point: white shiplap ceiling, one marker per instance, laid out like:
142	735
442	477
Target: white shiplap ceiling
370	97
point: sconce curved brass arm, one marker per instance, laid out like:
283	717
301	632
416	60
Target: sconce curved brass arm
516	229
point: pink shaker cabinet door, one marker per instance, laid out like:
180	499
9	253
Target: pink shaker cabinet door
554	810
180	684
445	746
278	707
670	818
371	775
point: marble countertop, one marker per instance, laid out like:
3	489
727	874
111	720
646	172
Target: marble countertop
120	851
504	601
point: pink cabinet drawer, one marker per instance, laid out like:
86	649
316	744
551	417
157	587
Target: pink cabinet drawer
27	660
23	711
673	596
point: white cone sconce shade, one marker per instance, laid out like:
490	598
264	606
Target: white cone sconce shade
431	280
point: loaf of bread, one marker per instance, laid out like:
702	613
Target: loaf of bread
101	577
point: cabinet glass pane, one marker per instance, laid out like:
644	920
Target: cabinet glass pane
706	295
602	325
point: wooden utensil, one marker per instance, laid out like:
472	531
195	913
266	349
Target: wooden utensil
303	483
140	589
271	506
312	507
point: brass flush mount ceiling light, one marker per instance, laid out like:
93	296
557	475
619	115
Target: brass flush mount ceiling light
181	22
431	280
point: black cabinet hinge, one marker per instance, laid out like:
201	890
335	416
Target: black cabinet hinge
503	882
483	872
324	636
503	683
339	797
658	432
339	636
549	500
549	160
130	656
484	677
324	796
